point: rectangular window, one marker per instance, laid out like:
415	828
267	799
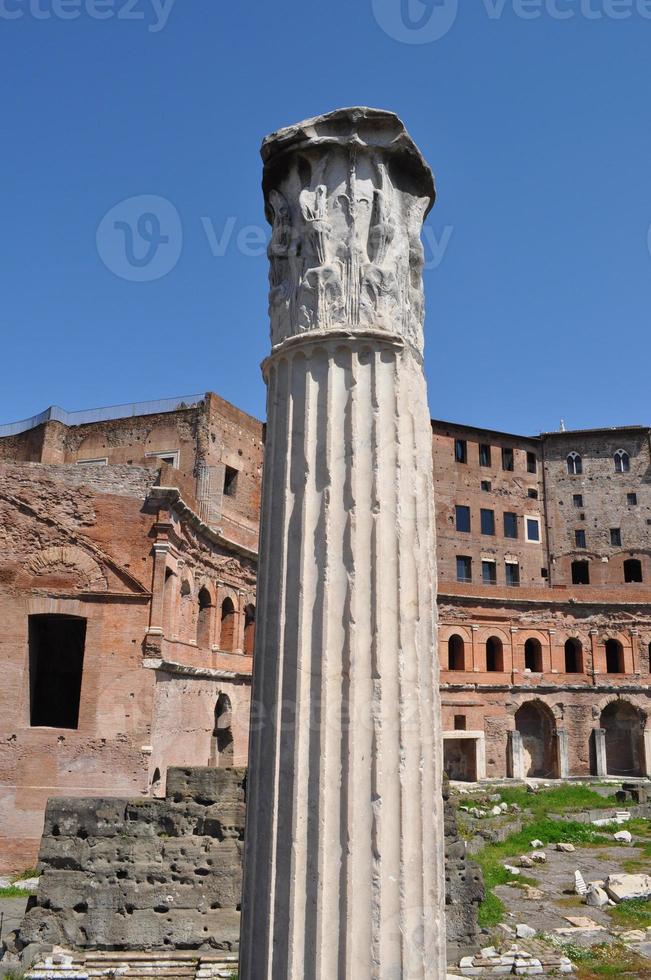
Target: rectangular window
532	463
507	458
616	537
462	515
487	521
532	493
459	723
486	486
510	525
532	526
484	454
580	573
489	573
512	571
579	538
56	660
544	573
464	568
631	499
100	461
230	481
577	500
460	451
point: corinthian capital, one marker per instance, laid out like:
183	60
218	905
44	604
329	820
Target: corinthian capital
346	195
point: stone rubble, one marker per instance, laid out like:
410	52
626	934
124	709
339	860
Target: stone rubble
515	961
622	888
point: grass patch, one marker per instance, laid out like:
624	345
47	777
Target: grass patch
560	799
491	911
635	913
13	892
606	960
24	875
492	857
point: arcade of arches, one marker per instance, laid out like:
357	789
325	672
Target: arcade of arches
551	703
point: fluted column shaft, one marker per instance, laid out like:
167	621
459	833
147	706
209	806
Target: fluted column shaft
344	839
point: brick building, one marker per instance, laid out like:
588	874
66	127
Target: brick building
544	601
128	547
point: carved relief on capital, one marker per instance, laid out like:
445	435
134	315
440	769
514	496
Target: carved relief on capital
345	250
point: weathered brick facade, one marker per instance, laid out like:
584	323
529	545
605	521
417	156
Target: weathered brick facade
127	619
140	527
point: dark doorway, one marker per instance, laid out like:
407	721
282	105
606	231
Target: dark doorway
533	655
573	656
580	573
632	570
204	619
624	726
56	660
494	654
222	737
614	657
456	653
537	726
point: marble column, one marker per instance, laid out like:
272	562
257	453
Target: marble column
516	754
601	762
343	874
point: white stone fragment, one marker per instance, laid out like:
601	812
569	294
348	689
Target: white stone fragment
580	886
595	896
539	857
566	848
523	931
624	836
623	887
536	843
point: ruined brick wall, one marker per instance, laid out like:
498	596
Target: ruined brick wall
604	504
167	873
84	542
144	874
464	887
459	483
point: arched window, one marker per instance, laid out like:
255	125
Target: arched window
622	461
533	655
494	654
204	618
249	628
614	657
456	653
573	656
574	464
632	570
222	737
580	573
227	632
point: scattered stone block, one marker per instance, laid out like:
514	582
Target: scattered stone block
525	862
523	931
566	848
622	888
595	896
539	857
580	886
623	836
536	843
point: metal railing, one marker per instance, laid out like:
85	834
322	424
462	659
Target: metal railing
132	410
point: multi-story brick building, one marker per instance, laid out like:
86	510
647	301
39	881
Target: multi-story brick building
544	601
128	548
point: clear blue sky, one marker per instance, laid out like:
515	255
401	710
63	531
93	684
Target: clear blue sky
538	131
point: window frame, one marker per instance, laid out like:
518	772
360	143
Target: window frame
461	451
508	565
468	560
515	535
622	461
575	468
536	519
491	517
485	455
506	450
458	510
580	535
489	563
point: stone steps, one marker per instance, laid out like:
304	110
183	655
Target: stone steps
133	966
